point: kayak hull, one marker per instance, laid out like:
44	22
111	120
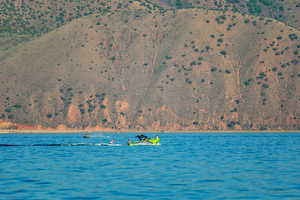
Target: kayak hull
143	144
147	142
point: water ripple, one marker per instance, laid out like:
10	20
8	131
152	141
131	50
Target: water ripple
185	166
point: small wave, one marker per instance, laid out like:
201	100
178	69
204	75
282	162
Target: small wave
210	181
9	145
95	136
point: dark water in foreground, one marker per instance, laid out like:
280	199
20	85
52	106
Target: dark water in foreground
185	166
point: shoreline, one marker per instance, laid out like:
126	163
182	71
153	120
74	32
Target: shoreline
74	131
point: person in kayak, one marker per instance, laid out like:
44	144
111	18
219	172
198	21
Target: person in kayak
142	137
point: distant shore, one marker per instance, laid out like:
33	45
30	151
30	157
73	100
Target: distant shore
37	131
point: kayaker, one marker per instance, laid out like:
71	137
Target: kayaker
139	137
142	137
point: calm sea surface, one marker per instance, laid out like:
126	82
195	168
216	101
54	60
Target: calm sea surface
185	166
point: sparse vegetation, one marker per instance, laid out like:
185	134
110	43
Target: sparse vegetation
221	19
171	63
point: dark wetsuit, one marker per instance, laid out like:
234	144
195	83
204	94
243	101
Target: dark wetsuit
141	137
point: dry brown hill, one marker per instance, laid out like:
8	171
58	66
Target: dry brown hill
40	16
189	69
287	11
24	20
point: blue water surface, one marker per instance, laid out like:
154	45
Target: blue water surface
185	166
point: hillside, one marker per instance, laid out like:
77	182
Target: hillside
287	11
36	17
24	20
190	69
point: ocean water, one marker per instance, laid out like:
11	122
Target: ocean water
185	166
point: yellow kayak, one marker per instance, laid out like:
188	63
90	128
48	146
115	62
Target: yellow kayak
154	141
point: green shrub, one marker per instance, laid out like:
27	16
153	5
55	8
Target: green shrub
264	85
231	124
295	62
113	58
8	110
102	106
266	2
223	53
200	58
221	19
253	7
18	106
10	116
195	123
82	111
261	75
247	82
227	71
213	69
234	110
293	36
